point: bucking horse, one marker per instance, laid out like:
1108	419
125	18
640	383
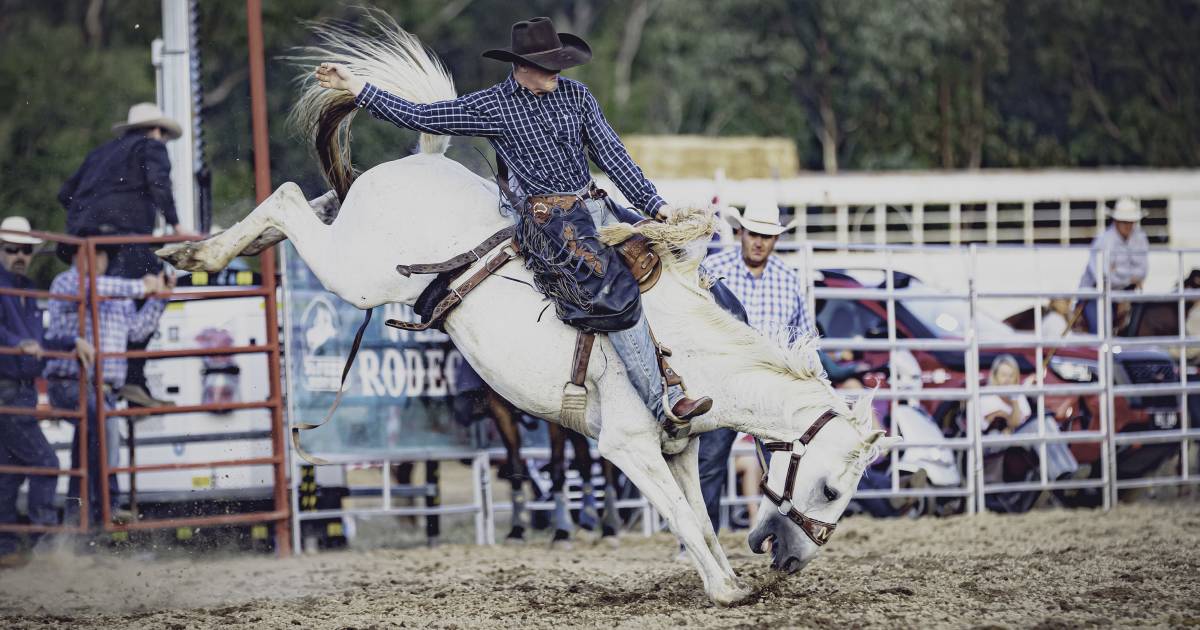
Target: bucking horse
426	208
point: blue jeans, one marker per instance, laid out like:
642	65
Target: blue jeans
634	345
714	470
65	394
22	443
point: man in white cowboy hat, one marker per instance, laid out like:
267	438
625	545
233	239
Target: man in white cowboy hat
772	292
121	188
1125	248
22	442
773	296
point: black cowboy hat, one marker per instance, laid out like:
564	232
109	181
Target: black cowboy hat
537	43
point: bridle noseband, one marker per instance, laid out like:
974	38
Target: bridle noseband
818	531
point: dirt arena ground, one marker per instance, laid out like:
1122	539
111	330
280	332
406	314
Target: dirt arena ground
1138	565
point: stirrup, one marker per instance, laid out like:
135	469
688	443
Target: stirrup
674	426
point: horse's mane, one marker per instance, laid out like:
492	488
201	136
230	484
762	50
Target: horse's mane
736	349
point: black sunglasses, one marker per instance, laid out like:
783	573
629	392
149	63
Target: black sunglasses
19	249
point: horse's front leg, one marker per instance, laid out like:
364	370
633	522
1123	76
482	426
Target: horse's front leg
637	454
685	469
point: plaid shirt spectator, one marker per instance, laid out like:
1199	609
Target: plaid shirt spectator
774	301
120	322
541	138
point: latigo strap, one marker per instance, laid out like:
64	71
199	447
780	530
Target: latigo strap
456	295
465	258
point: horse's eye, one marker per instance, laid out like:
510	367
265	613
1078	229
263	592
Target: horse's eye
831	495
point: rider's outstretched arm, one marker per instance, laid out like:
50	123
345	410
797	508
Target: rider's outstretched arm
467	115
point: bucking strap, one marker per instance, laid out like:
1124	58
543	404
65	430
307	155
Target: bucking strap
456	295
304	426
463	259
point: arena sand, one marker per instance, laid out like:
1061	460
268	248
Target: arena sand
1137	565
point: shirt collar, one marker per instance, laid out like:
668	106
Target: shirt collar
510	86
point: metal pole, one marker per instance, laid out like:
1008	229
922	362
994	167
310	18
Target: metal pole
1103	316
98	384
81	428
1184	420
262	189
973	416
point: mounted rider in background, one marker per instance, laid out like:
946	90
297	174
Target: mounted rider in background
543	129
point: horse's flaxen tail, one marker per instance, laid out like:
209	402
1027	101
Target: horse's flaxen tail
391	58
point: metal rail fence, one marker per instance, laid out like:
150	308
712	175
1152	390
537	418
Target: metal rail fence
1104	385
89	300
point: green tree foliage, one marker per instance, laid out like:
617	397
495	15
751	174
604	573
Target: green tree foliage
858	84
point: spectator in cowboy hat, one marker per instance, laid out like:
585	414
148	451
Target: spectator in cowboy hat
22	442
773	296
1125	248
122	187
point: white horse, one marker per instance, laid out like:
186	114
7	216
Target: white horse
427	208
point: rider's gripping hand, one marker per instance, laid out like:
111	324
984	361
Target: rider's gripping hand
337	77
664	212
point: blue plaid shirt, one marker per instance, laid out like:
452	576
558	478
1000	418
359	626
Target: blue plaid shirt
774	301
120	323
542	139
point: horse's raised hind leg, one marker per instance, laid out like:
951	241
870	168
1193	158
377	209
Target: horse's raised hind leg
636	451
685	468
214	253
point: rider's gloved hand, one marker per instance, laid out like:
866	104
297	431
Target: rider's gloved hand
664	212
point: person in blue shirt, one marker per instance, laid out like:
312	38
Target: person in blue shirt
22	442
544	128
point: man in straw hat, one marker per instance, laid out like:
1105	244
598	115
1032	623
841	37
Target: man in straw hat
544	128
22	442
123	186
1125	248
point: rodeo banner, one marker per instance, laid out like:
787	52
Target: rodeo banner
402	392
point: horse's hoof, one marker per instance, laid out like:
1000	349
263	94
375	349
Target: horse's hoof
187	256
732	596
613	542
562	541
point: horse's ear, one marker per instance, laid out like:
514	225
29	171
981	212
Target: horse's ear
883	441
889	442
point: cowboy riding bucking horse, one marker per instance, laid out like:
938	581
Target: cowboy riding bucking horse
544	128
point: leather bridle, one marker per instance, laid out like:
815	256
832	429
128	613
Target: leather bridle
818	531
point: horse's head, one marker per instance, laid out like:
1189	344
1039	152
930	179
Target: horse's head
810	481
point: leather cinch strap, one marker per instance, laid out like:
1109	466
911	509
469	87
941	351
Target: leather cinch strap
817	531
463	259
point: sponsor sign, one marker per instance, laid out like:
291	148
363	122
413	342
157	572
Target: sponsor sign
400	394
